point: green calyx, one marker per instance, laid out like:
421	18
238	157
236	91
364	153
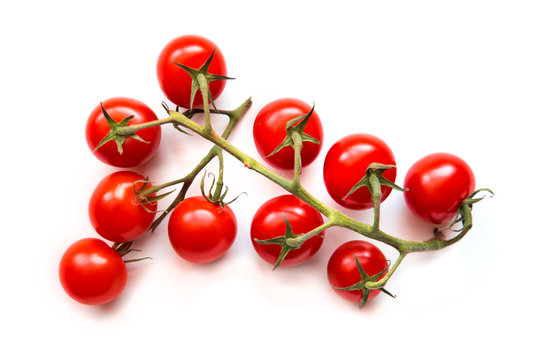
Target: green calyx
286	241
364	279
203	70
373	180
463	214
144	196
122	249
114	135
216	196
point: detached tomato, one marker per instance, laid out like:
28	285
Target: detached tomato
346	164
192	51
269	131
92	273
269	222
342	270
438	184
200	231
114	210
135	152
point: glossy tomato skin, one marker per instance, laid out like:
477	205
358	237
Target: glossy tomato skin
192	51
114	210
268	222
438	183
201	232
269	131
134	152
92	273
346	163
342	270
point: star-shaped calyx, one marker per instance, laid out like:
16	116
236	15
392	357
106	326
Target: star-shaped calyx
113	134
203	70
374	178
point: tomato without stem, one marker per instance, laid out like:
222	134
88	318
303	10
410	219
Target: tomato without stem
135	152
342	270
269	130
115	211
269	222
346	163
438	183
91	272
192	51
201	232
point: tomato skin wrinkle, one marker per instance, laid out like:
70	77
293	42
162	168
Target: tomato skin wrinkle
269	131
346	163
114	210
135	152
269	222
342	270
438	183
91	272
192	51
201	232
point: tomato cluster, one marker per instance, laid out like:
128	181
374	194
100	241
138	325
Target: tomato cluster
285	230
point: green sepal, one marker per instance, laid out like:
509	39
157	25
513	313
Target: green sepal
376	169
112	135
468	202
193	73
281	241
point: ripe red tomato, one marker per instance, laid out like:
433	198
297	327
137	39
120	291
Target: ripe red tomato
114	210
346	164
269	130
269	222
438	183
200	231
192	51
92	273
135	152
342	270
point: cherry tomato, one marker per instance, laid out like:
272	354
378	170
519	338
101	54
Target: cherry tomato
200	231
438	183
269	222
135	152
92	273
269	131
115	211
346	164
342	270
192	51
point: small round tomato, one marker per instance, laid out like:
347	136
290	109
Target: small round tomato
269	131
134	152
343	272
346	163
92	273
438	183
191	51
201	232
115	211
269	222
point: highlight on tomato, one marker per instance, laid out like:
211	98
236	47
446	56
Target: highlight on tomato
346	163
133	150
342	269
91	272
192	51
269	222
270	130
115	210
200	231
438	183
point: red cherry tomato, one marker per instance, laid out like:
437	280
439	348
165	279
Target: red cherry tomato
346	164
192	51
269	222
200	231
92	273
342	270
135	152
114	210
269	131
438	184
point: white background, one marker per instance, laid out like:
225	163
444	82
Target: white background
425	76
